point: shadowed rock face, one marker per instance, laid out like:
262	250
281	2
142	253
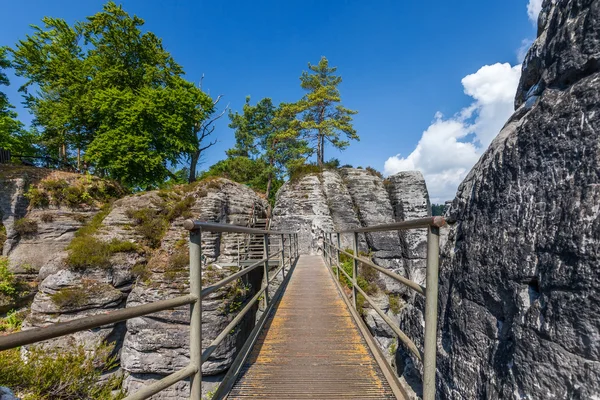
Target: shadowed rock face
520	297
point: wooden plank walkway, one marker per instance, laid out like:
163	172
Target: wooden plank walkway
311	347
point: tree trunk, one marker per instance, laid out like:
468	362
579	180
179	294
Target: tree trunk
322	151
269	183
78	159
193	164
319	150
64	152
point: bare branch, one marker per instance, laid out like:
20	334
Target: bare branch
211	144
201	80
217	100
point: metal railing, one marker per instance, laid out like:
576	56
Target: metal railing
286	256
430	291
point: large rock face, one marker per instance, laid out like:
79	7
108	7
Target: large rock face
153	346
350	198
520	298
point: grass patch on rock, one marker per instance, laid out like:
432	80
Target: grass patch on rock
25	227
53	374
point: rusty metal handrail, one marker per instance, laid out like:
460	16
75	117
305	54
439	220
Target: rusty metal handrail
430	291
194	369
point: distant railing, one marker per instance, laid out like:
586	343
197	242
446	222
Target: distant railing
430	291
194	299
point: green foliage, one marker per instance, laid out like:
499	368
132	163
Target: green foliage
37	198
2	236
301	171
9	285
12	135
71	297
438	209
106	89
152	222
374	172
59	374
84	191
320	117
396	303
12	322
47	218
253	173
393	347
87	251
25	227
263	131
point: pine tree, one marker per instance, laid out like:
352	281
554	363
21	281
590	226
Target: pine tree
321	118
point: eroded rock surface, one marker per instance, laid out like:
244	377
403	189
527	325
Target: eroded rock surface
520	298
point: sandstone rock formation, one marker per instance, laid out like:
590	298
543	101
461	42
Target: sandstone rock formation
349	198
147	265
520	298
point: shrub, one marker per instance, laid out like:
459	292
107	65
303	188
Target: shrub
177	263
47	218
150	224
12	322
9	286
25	227
374	172
395	303
2	236
37	198
60	374
81	218
87	251
71	297
301	171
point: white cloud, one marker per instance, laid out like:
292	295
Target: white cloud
522	51
533	9
449	147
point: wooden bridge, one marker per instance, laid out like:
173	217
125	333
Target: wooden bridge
309	343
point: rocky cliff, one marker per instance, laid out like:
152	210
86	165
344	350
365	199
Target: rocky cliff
520	298
349	198
98	254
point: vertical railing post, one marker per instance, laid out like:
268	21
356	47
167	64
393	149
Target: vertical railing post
431	300
290	243
266	272
297	246
338	256
355	270
196	312
283	255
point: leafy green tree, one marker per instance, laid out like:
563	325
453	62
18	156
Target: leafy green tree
321	117
248	171
13	136
112	92
263	132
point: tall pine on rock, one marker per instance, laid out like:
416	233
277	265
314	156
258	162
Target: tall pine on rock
320	116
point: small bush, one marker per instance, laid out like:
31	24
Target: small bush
374	172
37	198
150	224
2	236
71	297
301	171
121	246
60	374
181	208
347	166
141	271
87	251
47	218
26	227
12	322
9	286
81	218
395	303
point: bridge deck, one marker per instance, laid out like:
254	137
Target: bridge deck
311	346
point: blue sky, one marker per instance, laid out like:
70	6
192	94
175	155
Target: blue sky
402	63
